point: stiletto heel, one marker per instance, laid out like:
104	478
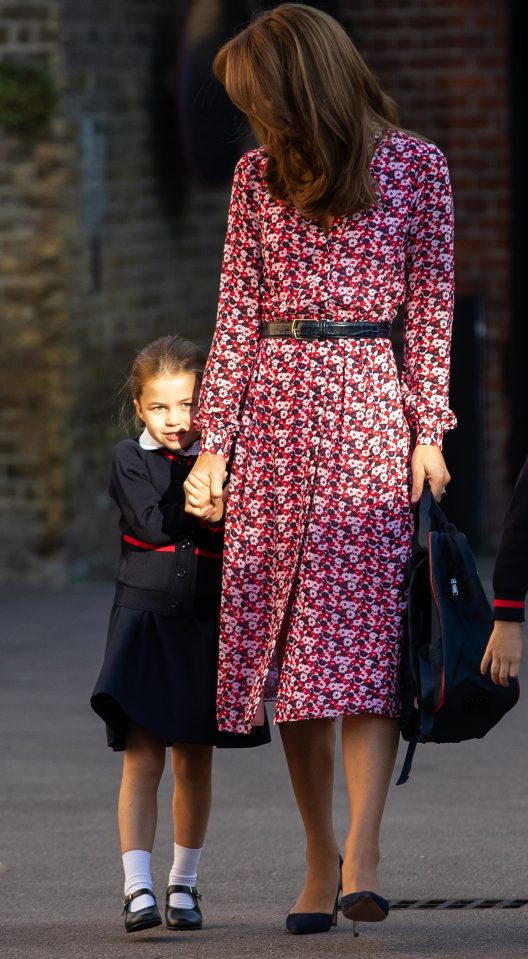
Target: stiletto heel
366	906
355	927
303	923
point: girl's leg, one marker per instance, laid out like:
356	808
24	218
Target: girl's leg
191	805
309	746
369	752
137	810
138	797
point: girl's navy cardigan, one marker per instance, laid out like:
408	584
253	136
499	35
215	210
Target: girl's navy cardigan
171	562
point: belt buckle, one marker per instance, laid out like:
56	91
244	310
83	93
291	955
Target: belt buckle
297	332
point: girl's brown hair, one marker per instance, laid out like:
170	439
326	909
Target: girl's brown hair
168	356
313	103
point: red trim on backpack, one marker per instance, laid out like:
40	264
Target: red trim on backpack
431	574
442	695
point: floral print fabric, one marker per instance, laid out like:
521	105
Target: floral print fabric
319	510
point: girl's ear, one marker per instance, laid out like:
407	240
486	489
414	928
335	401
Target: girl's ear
137	406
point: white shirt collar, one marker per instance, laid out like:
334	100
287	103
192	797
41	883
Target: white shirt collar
147	442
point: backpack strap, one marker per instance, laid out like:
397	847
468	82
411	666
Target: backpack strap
407	763
429	516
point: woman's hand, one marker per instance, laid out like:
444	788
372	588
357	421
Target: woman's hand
503	651
428	463
203	486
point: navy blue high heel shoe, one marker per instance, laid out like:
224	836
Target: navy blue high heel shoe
364	906
303	923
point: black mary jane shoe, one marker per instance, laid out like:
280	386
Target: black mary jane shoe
178	918
364	906
145	918
306	923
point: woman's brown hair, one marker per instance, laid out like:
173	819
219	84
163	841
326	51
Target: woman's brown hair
167	356
313	104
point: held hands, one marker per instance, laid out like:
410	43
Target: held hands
428	463
204	493
504	651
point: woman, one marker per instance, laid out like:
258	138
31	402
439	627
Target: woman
339	219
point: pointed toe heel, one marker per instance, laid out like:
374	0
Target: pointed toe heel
306	923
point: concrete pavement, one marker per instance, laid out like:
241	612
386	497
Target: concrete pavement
457	829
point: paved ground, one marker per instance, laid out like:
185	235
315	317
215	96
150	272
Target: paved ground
457	829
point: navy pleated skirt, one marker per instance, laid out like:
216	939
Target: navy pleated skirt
160	673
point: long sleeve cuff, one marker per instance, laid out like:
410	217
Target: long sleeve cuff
429	420
213	438
510	608
430	430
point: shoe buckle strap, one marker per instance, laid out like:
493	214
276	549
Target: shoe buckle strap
134	895
190	890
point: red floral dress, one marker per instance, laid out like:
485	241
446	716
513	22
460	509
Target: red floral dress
319	506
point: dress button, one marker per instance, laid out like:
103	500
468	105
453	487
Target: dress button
185	544
173	604
182	572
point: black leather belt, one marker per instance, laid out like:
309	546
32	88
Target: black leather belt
326	329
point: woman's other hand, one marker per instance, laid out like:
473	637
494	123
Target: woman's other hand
428	463
503	652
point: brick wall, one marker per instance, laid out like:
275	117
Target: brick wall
105	242
33	320
445	63
145	243
105	245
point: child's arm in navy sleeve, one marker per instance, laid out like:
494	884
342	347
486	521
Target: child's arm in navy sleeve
131	487
510	576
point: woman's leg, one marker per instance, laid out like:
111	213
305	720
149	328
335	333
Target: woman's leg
138	797
369	752
191	803
310	748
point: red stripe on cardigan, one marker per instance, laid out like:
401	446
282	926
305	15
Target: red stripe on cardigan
156	549
204	552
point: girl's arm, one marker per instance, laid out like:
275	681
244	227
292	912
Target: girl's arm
151	520
510	585
428	322
234	349
510	575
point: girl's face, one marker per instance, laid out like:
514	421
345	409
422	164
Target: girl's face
167	406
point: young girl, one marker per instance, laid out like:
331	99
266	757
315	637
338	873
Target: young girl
157	686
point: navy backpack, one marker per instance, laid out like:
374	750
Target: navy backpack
445	698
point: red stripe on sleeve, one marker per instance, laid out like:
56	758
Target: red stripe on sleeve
508	603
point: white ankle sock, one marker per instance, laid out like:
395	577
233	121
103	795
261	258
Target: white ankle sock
184	872
136	864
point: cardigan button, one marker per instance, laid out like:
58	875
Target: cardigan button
181	572
173	604
185	544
